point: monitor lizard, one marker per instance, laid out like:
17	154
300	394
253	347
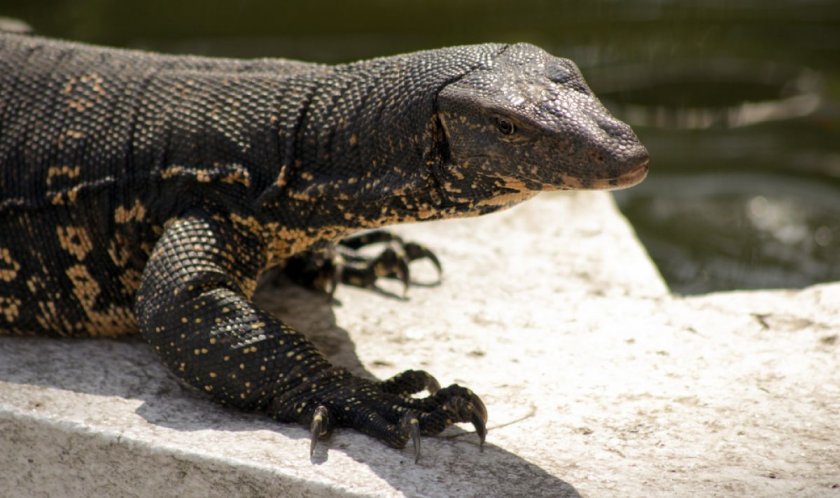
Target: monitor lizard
142	192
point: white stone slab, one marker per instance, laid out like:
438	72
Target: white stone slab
597	381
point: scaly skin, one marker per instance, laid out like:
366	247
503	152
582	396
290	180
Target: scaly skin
142	192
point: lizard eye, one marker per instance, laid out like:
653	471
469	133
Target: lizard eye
505	127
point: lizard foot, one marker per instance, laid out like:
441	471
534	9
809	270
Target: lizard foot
345	264
384	410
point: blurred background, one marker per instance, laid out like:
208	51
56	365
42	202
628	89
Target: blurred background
738	101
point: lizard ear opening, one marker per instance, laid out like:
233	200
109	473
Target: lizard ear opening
440	151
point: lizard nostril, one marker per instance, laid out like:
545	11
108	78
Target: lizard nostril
595	156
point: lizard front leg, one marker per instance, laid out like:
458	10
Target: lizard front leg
194	307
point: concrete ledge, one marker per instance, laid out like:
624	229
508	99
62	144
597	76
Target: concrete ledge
598	382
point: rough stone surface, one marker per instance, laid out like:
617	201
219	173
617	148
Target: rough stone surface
597	380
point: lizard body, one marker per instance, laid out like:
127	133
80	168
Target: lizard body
146	192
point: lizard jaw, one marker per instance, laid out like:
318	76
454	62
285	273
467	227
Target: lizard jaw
626	180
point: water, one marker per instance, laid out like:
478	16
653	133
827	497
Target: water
738	101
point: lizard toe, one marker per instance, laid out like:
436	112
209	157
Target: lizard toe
320	427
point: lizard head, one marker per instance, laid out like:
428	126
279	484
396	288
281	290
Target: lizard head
445	133
528	122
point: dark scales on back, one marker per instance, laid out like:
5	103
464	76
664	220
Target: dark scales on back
143	192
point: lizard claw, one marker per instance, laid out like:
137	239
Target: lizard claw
319	428
334	278
409	423
403	274
386	410
480	424
344	263
469	407
481	410
478	418
414	251
393	262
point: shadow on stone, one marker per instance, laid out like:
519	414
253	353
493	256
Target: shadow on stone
128	369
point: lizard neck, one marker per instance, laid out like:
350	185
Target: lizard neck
366	146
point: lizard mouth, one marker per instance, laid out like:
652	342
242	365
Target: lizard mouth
632	177
628	179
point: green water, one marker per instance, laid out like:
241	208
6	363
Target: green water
737	101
